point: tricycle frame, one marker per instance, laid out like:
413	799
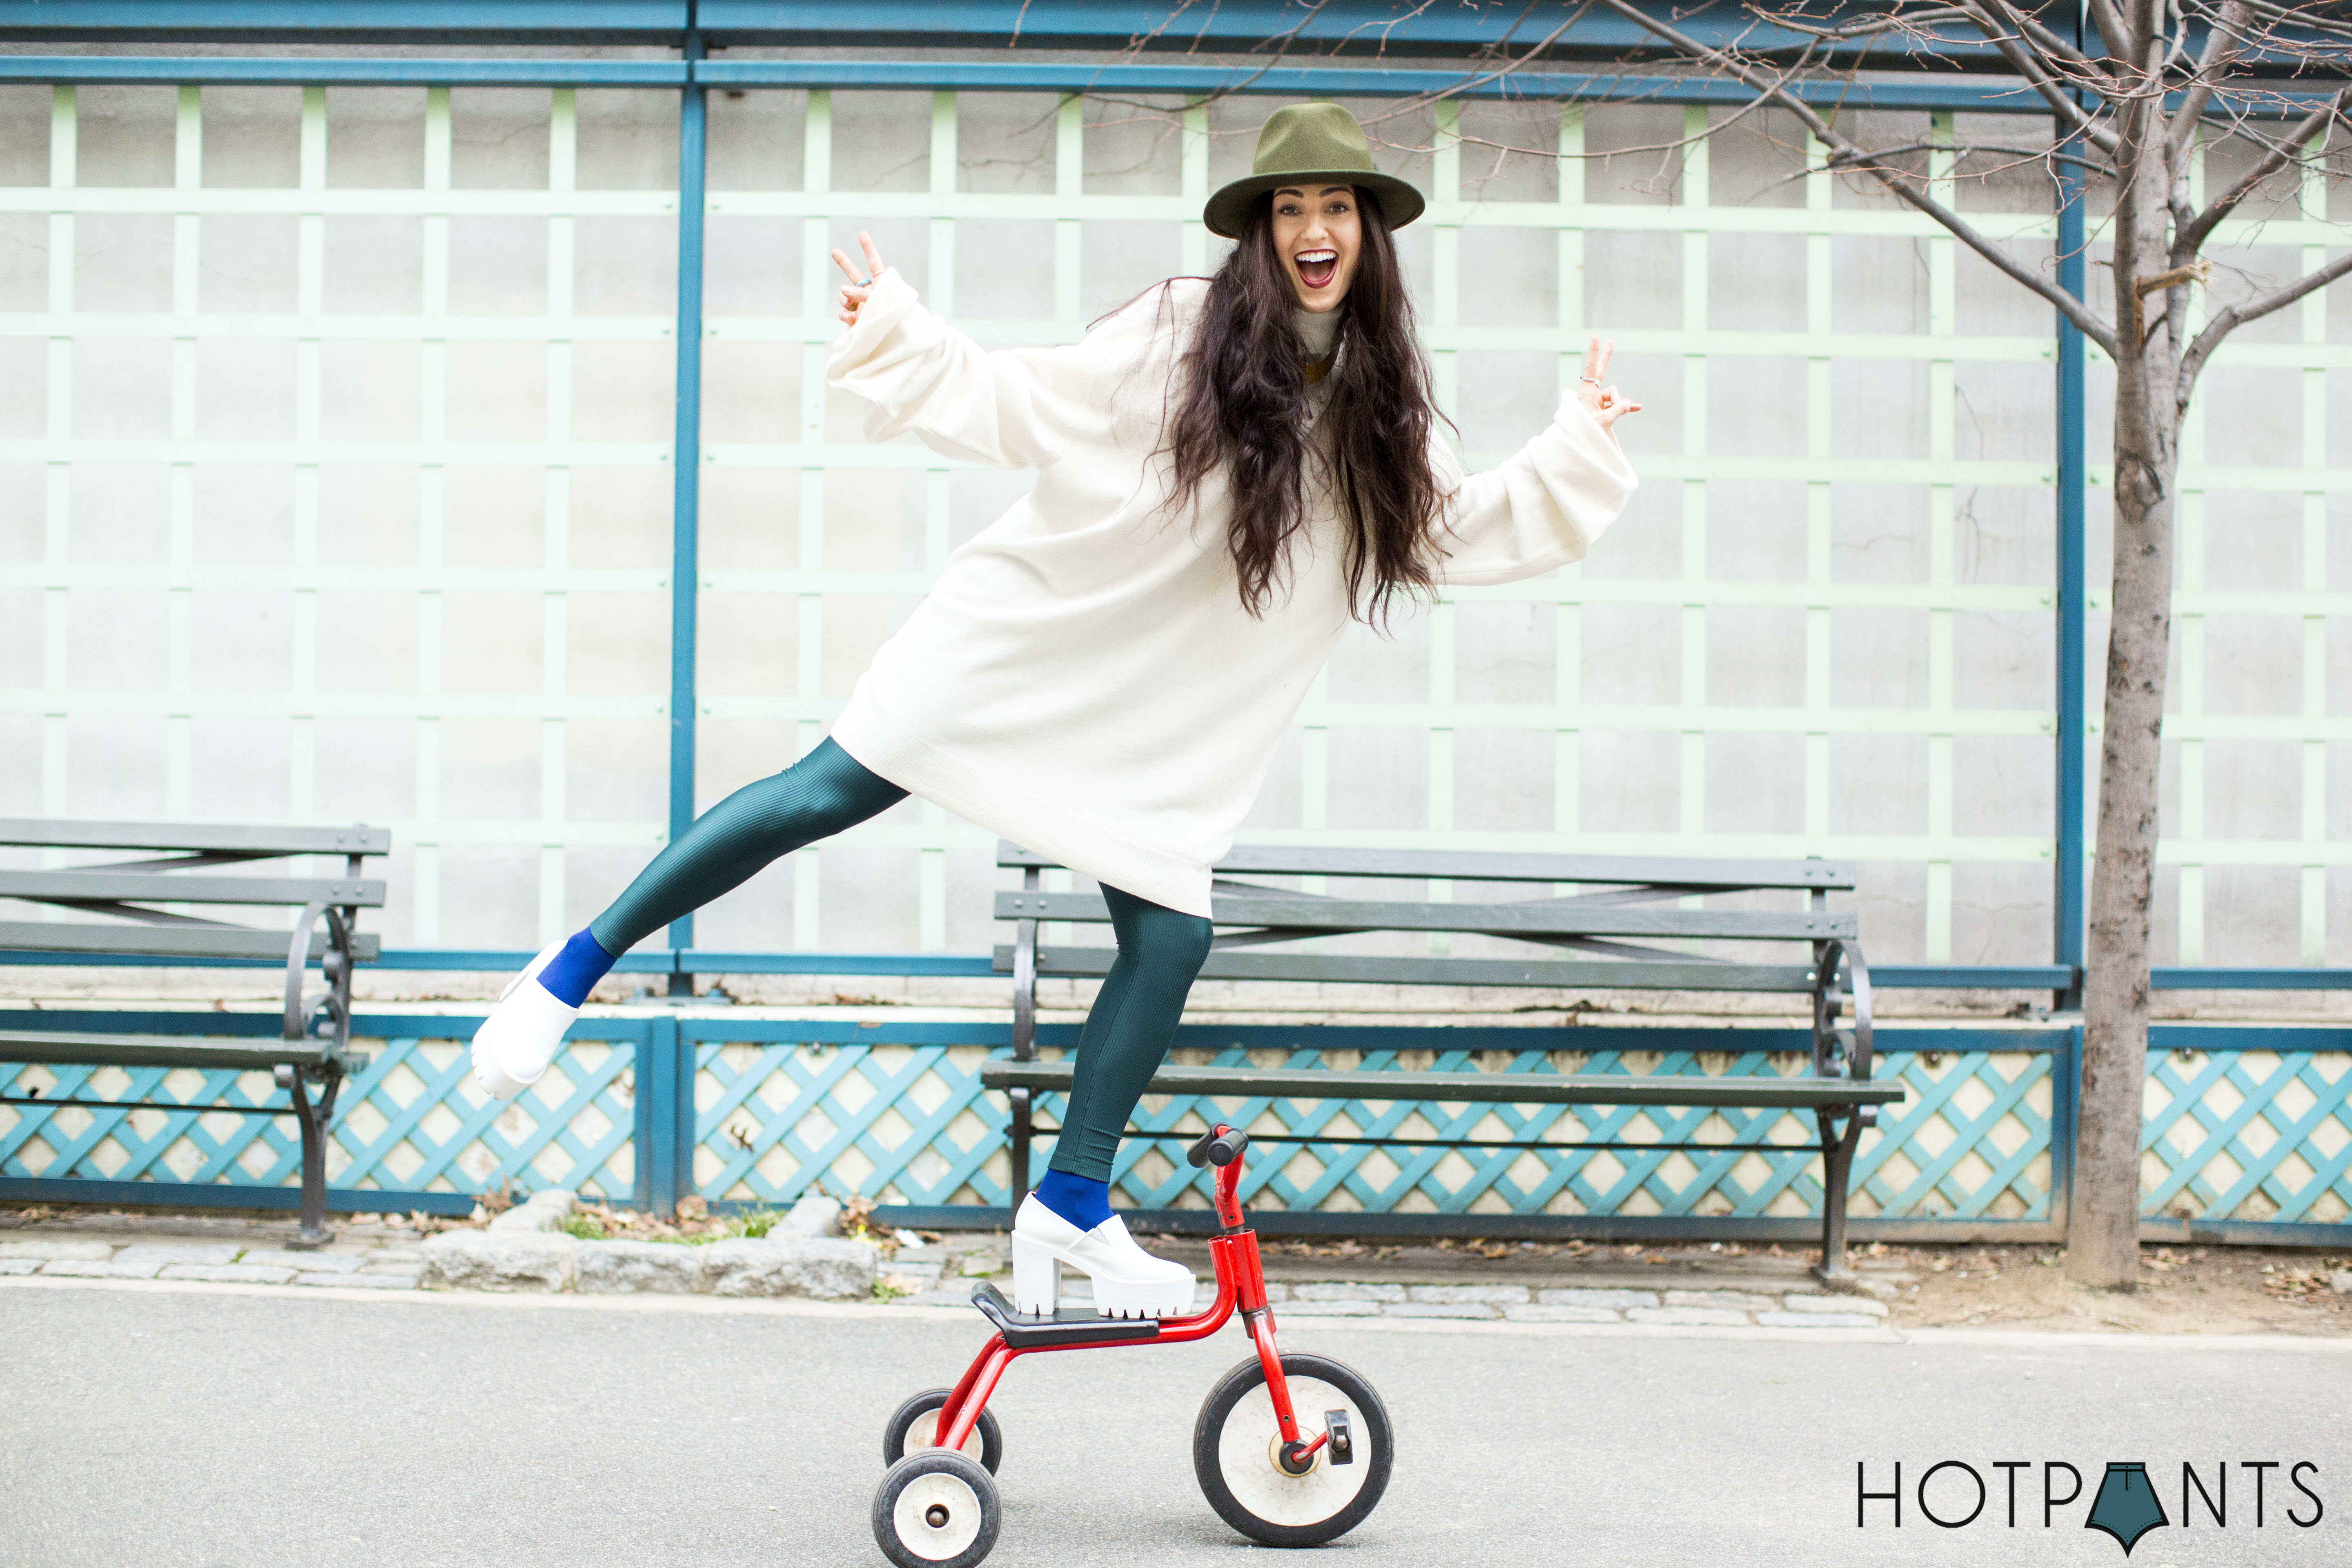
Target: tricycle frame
1241	1288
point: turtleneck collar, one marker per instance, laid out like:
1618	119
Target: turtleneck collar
1317	330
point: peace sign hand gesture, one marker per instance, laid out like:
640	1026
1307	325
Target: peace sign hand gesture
1604	403
860	284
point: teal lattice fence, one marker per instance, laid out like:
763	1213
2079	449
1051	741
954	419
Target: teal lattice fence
2242	1127
2249	1132
409	1131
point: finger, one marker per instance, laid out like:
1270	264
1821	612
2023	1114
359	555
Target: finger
874	264
1593	359
849	268
1604	350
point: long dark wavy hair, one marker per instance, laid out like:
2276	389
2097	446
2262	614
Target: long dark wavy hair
1241	410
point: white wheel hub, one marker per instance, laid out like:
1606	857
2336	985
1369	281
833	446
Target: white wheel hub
936	1516
925	1433
1252	1465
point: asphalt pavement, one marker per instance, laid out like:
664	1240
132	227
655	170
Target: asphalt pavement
147	1424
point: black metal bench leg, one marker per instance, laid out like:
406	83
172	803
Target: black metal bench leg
1837	1167
314	1120
1022	1128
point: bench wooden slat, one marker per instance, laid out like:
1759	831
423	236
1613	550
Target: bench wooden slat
1517	1087
169	941
1488	866
53	833
1535	917
184	888
157	1050
1228	963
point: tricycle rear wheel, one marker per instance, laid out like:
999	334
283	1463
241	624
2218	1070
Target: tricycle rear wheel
914	1428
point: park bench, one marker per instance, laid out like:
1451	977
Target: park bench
1632	901
309	1058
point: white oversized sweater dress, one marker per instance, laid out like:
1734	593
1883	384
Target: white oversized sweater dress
1082	680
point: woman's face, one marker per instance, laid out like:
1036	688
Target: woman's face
1318	236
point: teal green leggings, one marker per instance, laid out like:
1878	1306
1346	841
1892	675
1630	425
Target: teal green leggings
1135	1015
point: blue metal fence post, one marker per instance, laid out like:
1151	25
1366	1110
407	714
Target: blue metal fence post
2073	568
2065	1098
665	1161
687	460
643	1129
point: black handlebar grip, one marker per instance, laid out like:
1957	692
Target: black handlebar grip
1213	1148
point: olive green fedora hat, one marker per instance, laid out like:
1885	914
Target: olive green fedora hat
1306	142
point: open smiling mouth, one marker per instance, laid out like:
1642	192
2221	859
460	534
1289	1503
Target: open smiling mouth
1317	267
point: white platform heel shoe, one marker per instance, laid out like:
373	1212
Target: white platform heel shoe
521	1036
1129	1281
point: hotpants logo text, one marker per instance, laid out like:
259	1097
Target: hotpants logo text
2128	1501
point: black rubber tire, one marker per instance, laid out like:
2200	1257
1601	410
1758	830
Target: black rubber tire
902	1421
966	1485
1372	1443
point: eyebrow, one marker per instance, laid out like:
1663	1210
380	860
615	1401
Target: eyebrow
1296	191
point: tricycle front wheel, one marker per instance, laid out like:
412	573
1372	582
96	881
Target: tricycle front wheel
936	1509
1238	1452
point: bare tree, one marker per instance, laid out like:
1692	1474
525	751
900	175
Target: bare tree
2128	89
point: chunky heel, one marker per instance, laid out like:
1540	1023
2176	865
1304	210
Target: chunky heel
1037	1278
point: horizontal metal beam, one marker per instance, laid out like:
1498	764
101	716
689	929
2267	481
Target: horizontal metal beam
348	21
1538	917
1944	91
224	1195
1693	875
64	833
47	938
700	961
158	1050
181	888
1971	977
1508	1088
1948	92
1970	95
1658	1228
328	71
2202	979
1550	974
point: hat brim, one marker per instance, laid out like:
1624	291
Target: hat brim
1228	211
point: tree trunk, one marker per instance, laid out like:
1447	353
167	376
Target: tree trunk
2103	1226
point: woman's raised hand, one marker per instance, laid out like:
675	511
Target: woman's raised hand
860	283
1603	402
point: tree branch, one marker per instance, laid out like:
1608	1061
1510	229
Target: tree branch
2236	316
1888	23
2114	36
2051	43
2189	240
2221	47
2073	310
1997	23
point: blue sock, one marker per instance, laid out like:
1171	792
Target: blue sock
571	973
1083	1202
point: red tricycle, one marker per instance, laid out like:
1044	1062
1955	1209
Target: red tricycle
1275	1477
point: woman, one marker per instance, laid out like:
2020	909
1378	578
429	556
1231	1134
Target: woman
1228	471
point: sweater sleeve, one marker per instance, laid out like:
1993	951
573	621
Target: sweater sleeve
1014	409
1543	508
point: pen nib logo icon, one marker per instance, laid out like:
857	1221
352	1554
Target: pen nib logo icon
2126	1507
